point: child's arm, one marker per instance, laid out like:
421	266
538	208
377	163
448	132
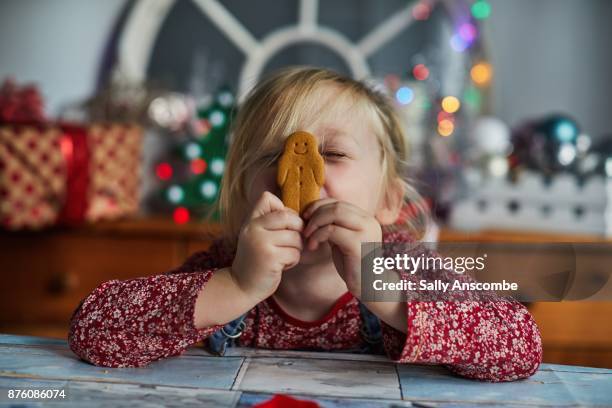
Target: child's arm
133	322
221	301
491	340
494	341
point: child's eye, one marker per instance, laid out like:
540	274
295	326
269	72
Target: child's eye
332	154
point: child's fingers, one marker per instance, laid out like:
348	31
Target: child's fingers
339	213
290	258
316	204
287	239
266	204
280	220
344	238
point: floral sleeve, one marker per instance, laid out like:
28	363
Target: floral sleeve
133	322
491	339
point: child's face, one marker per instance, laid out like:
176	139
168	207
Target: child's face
353	171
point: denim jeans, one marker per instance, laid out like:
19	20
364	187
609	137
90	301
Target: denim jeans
371	331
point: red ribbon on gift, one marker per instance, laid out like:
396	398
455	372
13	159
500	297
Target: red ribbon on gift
75	150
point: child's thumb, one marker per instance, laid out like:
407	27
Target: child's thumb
267	203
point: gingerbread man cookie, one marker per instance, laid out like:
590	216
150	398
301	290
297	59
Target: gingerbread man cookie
300	171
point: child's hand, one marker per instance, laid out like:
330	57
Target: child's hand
345	226
269	243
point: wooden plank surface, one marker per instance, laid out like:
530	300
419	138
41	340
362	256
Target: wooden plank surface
424	384
322	377
248	376
53	362
86	394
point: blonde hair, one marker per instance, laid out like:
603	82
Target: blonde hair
276	107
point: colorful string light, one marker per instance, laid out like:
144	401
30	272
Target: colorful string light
420	72
421	11
468	32
450	104
392	81
458	44
217	166
180	215
198	166
208	189
442	115
473	98
175	194
163	171
481	9
193	150
446	127
404	95
481	73
216	118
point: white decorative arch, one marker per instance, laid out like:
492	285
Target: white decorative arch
145	20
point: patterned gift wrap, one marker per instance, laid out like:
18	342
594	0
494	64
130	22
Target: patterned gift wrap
67	174
115	165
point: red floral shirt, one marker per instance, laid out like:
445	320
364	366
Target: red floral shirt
133	322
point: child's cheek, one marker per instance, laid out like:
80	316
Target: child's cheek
340	180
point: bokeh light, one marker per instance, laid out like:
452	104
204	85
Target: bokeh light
193	150
420	72
473	98
421	11
217	166
180	215
451	104
481	9
481	73
216	118
198	166
208	189
446	127
442	115
458	44
392	81
566	131
163	171
468	32
175	194
404	95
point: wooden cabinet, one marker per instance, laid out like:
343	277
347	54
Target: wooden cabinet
45	274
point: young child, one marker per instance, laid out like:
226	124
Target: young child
280	281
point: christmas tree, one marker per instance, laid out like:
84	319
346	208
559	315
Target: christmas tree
192	180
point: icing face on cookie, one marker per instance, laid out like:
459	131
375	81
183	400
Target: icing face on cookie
300	143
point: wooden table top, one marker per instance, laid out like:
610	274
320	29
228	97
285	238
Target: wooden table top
248	376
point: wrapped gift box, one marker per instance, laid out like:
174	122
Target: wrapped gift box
68	174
